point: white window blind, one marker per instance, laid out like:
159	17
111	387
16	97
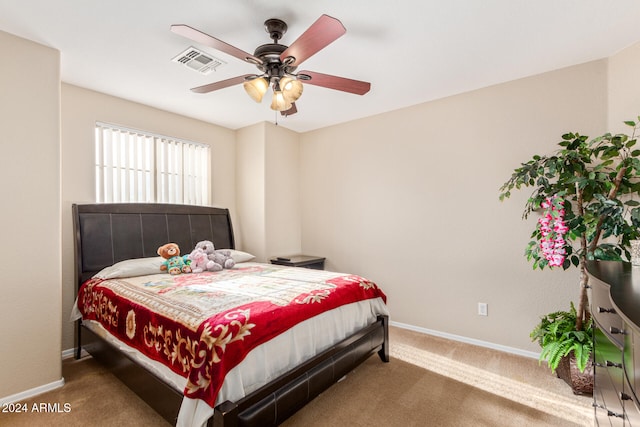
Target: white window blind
136	166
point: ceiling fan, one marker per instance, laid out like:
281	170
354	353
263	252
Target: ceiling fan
278	63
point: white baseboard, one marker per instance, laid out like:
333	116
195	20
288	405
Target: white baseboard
467	340
27	394
31	392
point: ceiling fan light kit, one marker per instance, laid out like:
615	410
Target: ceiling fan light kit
286	90
279	102
278	63
256	88
291	88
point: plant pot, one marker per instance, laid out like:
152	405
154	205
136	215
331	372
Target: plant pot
580	382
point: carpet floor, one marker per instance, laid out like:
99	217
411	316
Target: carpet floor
430	381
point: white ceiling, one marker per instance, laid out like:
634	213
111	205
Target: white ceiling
411	51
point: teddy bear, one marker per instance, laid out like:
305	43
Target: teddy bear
222	257
174	263
200	262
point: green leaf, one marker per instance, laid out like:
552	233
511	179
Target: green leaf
558	337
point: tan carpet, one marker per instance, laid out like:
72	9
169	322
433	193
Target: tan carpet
430	381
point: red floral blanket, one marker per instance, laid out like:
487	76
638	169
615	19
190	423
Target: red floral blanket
202	325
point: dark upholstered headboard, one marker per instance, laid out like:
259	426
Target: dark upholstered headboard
107	233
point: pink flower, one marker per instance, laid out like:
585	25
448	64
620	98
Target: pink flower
552	229
560	227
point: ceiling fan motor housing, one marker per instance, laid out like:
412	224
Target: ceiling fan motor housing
270	53
271	63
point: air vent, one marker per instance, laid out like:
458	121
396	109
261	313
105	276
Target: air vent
198	61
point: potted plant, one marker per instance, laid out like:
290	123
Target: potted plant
585	190
565	349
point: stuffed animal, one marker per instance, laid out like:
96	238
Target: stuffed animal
200	262
222	257
174	263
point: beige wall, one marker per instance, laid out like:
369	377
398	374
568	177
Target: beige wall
624	99
410	199
81	108
30	304
250	154
282	191
268	191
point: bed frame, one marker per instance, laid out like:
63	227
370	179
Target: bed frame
108	233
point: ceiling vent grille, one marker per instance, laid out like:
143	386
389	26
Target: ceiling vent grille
198	61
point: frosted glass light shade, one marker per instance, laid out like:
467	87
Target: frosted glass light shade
291	88
279	102
256	88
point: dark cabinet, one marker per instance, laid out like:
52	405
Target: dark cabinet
614	300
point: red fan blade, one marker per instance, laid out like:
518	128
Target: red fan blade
207	40
221	84
290	111
338	83
320	34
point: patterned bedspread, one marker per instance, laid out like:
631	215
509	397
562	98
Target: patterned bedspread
202	325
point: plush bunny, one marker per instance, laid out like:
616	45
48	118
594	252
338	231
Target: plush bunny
200	262
222	257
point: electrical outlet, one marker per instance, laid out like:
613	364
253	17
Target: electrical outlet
483	309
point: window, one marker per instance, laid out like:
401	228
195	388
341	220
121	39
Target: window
136	166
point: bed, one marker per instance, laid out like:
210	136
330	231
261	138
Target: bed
110	234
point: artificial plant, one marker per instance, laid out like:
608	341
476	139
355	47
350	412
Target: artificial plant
586	190
557	335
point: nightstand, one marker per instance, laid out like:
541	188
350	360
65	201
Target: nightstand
306	261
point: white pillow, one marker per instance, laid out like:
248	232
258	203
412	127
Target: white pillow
131	268
239	256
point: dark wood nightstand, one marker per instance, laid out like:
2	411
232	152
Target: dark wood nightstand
306	261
